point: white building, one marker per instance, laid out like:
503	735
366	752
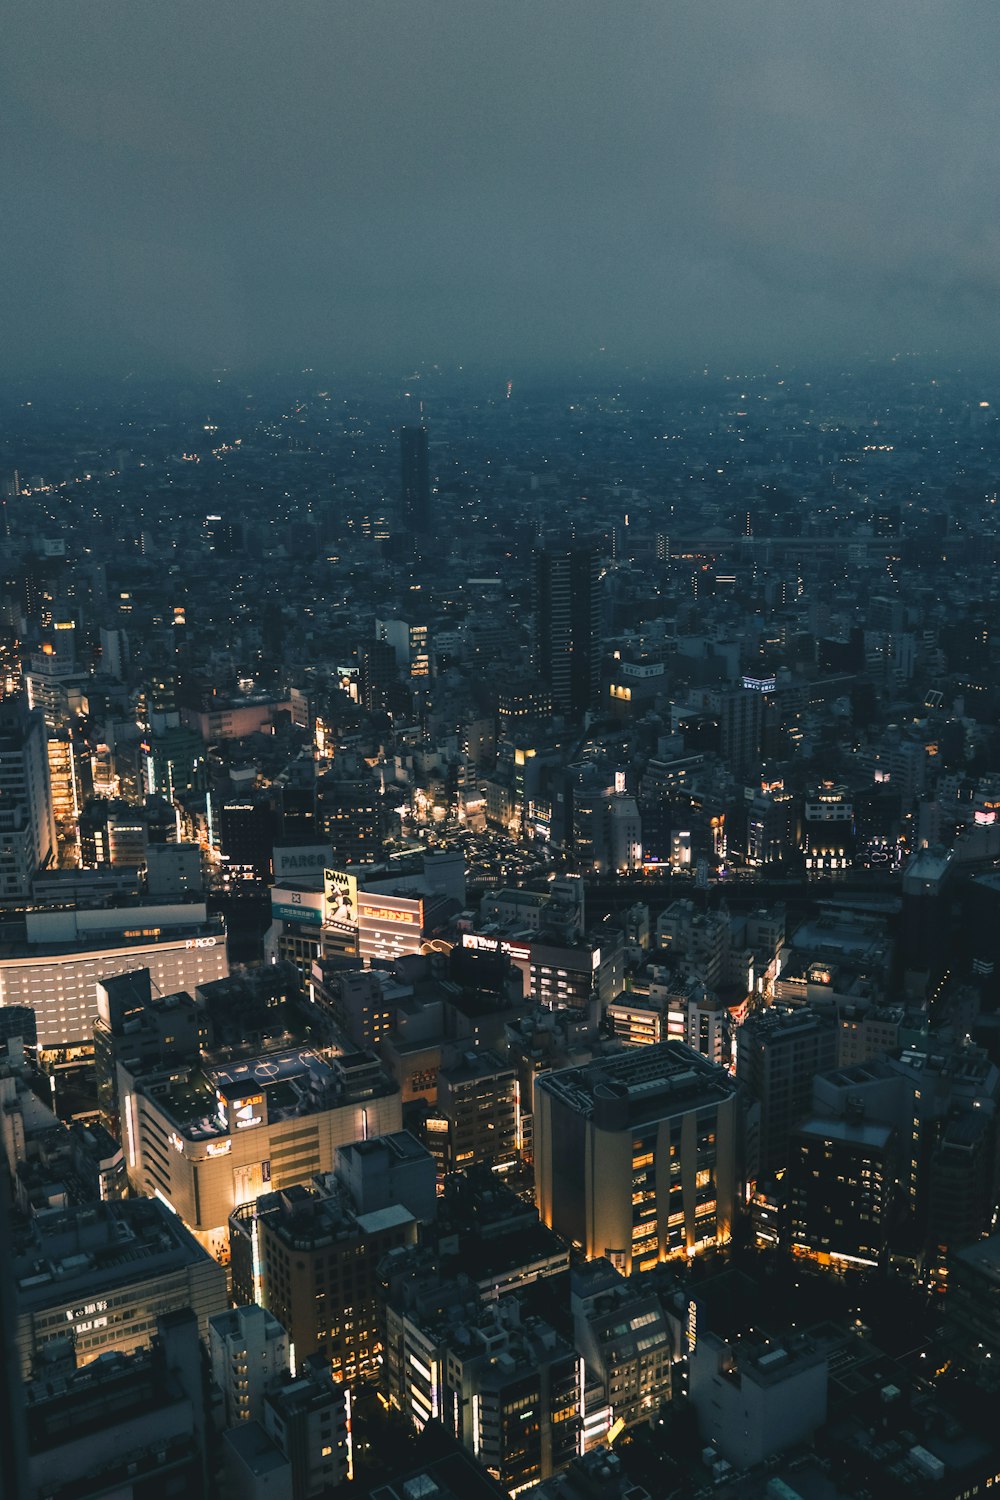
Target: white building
248	1349
57	970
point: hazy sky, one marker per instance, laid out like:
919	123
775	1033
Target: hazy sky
393	181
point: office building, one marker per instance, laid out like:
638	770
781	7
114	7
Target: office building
312	1261
638	1157
828	830
474	1122
246	839
248	1351
301	1449
626	1340
379	683
485	1236
842	1191
567	620
349	815
415	481
778	1052
386	1170
102	1275
356	1002
410	645
741	718
508	1387
27	822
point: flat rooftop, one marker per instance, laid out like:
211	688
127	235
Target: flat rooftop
69	1255
653	1080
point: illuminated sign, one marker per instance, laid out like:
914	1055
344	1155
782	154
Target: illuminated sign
484	944
87	1311
243	1112
340	892
218	1148
388	913
307	914
201	942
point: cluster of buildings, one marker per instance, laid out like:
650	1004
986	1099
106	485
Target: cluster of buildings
498	951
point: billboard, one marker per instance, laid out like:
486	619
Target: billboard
289	905
389	926
301	862
340	892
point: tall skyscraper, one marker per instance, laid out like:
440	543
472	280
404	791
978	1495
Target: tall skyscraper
416	480
567	608
27	825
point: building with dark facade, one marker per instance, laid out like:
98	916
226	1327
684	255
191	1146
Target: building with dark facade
415	481
567	609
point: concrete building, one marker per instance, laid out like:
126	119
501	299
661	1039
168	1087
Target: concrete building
101	1276
56	972
477	1107
130	1425
626	1340
248	1350
27	822
842	1191
306	1256
509	1388
387	1170
638	1157
301	1449
754	1399
212	1136
567	627
778	1052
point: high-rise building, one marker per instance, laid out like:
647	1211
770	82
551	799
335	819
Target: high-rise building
306	1256
843	1188
507	1387
741	718
567	609
415	479
27	824
778	1052
248	1349
638	1156
477	1110
349	810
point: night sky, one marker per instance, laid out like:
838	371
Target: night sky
186	186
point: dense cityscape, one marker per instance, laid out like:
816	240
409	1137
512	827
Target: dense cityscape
500	934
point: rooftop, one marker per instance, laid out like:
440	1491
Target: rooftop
65	1254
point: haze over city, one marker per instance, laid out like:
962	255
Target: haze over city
253	185
499	751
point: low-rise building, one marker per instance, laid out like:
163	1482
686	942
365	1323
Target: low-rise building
101	1276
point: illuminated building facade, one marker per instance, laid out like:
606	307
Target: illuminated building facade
638	1156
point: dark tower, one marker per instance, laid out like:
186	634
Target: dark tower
567	609
416	480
